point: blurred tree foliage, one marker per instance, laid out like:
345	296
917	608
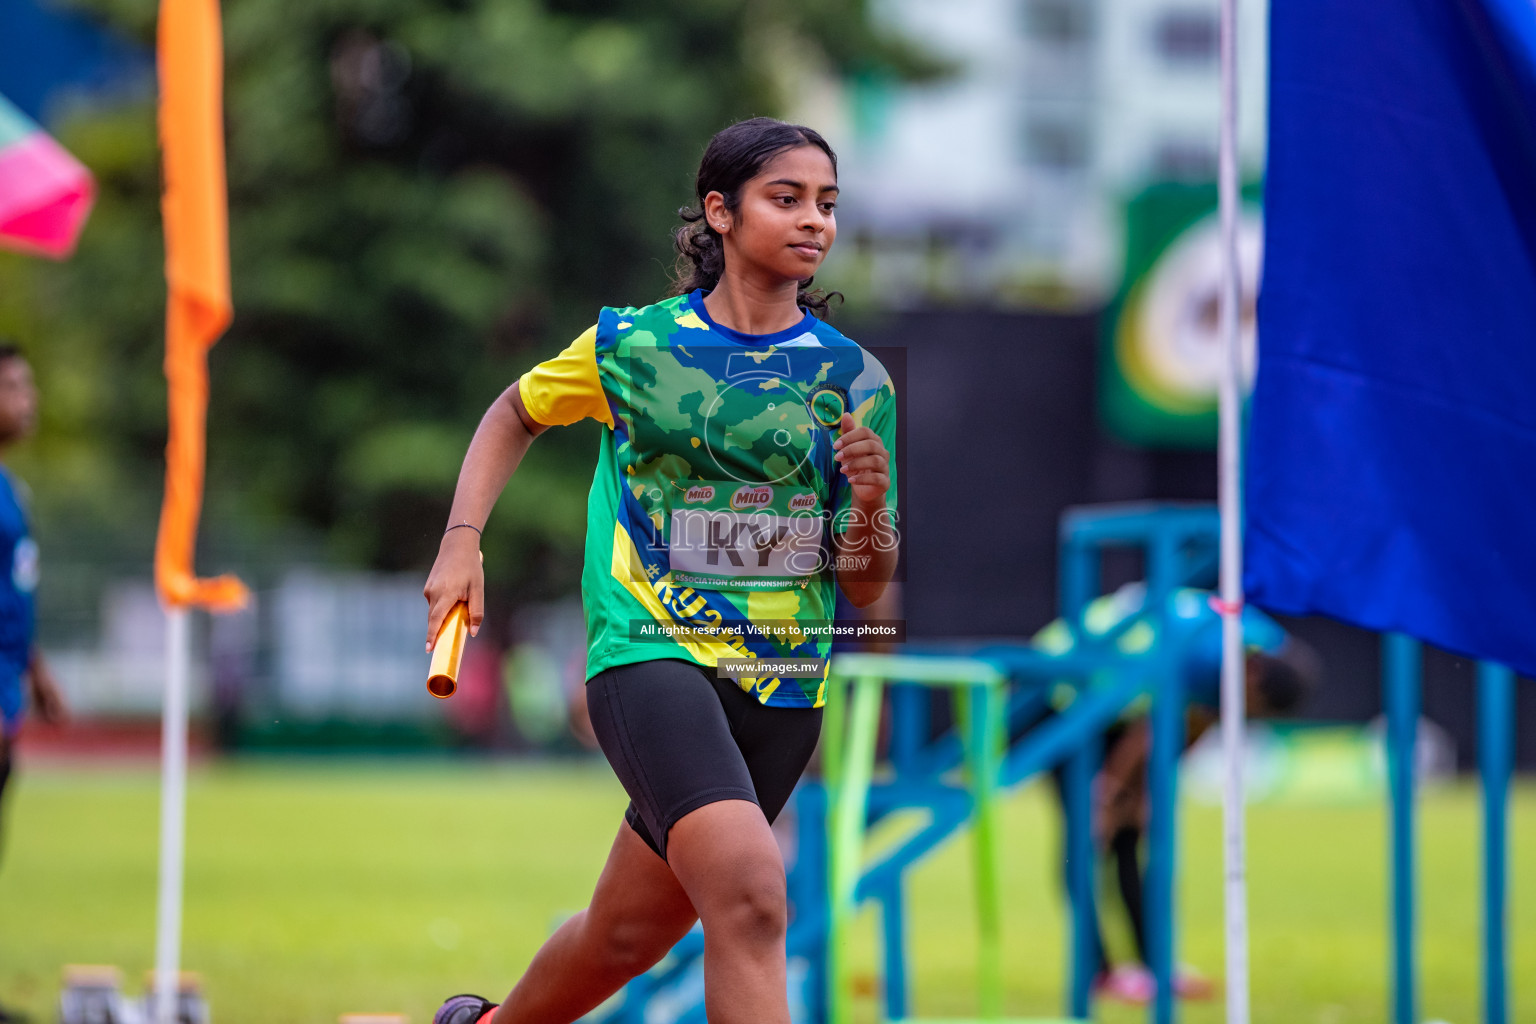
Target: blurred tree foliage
425	199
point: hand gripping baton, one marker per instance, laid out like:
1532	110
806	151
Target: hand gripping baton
448	652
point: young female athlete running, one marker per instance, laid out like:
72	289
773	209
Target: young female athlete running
745	473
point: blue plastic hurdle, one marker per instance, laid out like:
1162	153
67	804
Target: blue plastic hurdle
1179	545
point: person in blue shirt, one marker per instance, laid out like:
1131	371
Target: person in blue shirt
23	672
1280	671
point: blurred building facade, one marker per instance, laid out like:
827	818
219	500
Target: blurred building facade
1004	183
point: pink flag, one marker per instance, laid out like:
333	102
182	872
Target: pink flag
45	194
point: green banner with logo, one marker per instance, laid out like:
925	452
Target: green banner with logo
1161	352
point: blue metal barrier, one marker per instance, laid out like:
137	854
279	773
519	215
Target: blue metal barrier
1402	659
1495	762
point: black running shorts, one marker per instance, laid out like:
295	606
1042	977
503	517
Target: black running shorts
680	738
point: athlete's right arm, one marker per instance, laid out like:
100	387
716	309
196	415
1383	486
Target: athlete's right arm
501	440
564	389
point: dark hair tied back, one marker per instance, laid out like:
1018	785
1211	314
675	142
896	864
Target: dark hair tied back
735	156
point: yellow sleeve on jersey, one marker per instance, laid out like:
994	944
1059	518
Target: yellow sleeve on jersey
566	389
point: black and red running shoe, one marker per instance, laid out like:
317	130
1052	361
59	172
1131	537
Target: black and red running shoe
464	1009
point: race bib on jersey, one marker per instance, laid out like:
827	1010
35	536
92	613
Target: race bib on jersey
733	536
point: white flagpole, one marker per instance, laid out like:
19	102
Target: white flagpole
1233	682
173	810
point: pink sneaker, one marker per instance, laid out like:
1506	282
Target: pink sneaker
1128	983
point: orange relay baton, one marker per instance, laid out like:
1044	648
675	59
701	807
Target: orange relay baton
448	652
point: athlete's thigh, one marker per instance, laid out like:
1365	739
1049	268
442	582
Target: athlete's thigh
776	743
725	851
662	727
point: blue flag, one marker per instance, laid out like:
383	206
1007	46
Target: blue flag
1392	444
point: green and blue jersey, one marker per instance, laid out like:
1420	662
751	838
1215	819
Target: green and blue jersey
716	498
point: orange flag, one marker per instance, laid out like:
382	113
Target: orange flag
198	309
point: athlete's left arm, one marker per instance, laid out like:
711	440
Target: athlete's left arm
47	698
866	548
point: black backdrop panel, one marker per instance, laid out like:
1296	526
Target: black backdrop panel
1001	435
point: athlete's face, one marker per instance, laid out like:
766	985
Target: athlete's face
18	399
784	225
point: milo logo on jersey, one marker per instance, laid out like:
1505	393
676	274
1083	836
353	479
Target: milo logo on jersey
746	537
752	497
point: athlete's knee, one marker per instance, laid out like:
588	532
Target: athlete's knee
632	945
752	904
636	948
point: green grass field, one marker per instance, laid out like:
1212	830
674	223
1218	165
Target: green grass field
325	886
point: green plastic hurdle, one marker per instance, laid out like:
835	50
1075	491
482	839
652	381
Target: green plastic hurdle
848	754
